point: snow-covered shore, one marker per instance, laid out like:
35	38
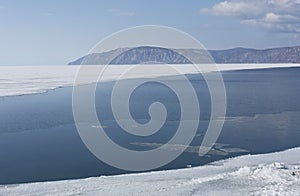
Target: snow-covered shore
265	174
22	80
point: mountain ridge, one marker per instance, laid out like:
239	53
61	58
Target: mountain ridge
158	55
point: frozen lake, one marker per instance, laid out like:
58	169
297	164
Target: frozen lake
39	142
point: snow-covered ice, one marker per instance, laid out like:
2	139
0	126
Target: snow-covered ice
21	80
265	174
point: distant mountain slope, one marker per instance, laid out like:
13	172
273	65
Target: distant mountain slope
244	55
149	54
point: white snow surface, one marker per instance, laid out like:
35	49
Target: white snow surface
265	174
21	80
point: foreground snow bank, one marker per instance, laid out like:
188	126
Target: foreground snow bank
21	80
264	174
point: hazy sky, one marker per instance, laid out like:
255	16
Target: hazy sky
55	32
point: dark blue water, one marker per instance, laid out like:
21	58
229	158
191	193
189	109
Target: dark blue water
39	141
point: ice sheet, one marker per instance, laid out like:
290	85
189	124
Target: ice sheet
21	80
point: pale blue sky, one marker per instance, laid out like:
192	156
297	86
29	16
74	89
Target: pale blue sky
55	32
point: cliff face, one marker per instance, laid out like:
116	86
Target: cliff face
156	55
